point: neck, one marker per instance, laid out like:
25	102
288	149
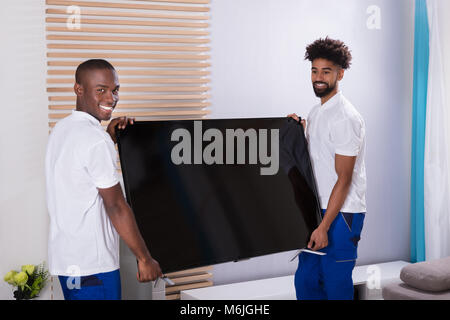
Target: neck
80	107
325	99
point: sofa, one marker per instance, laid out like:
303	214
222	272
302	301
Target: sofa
429	280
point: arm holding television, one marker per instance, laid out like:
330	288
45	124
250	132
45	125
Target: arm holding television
123	219
344	169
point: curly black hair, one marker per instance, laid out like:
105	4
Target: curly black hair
333	50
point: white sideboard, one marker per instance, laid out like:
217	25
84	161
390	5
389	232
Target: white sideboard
370	277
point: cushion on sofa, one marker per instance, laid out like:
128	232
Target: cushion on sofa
401	291
431	275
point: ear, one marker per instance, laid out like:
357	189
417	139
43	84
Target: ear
78	89
341	74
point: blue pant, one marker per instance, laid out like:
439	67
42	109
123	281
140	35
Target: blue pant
329	277
100	286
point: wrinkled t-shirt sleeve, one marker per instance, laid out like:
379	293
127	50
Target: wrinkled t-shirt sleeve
347	136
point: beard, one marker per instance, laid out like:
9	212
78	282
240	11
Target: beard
322	92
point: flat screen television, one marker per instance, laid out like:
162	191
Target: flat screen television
211	191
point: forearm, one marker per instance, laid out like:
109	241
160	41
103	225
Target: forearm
123	219
336	201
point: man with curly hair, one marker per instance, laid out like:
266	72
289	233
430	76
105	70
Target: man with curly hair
336	139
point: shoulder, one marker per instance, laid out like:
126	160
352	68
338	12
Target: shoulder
347	112
345	121
79	132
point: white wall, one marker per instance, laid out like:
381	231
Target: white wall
23	137
258	71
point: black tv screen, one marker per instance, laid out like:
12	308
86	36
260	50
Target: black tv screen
210	191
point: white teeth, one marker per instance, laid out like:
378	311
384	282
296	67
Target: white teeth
106	108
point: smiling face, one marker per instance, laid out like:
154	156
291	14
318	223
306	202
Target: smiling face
324	77
98	93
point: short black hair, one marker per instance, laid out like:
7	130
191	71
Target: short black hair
330	49
92	64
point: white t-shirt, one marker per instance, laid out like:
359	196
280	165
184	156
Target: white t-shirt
337	128
80	158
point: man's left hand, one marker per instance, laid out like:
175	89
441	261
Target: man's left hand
319	238
118	123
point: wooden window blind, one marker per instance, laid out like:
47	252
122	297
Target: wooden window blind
160	50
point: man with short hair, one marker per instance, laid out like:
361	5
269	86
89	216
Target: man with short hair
336	139
85	201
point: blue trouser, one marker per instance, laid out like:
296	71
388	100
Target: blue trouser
330	276
100	286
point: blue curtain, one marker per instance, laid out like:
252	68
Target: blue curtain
420	88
